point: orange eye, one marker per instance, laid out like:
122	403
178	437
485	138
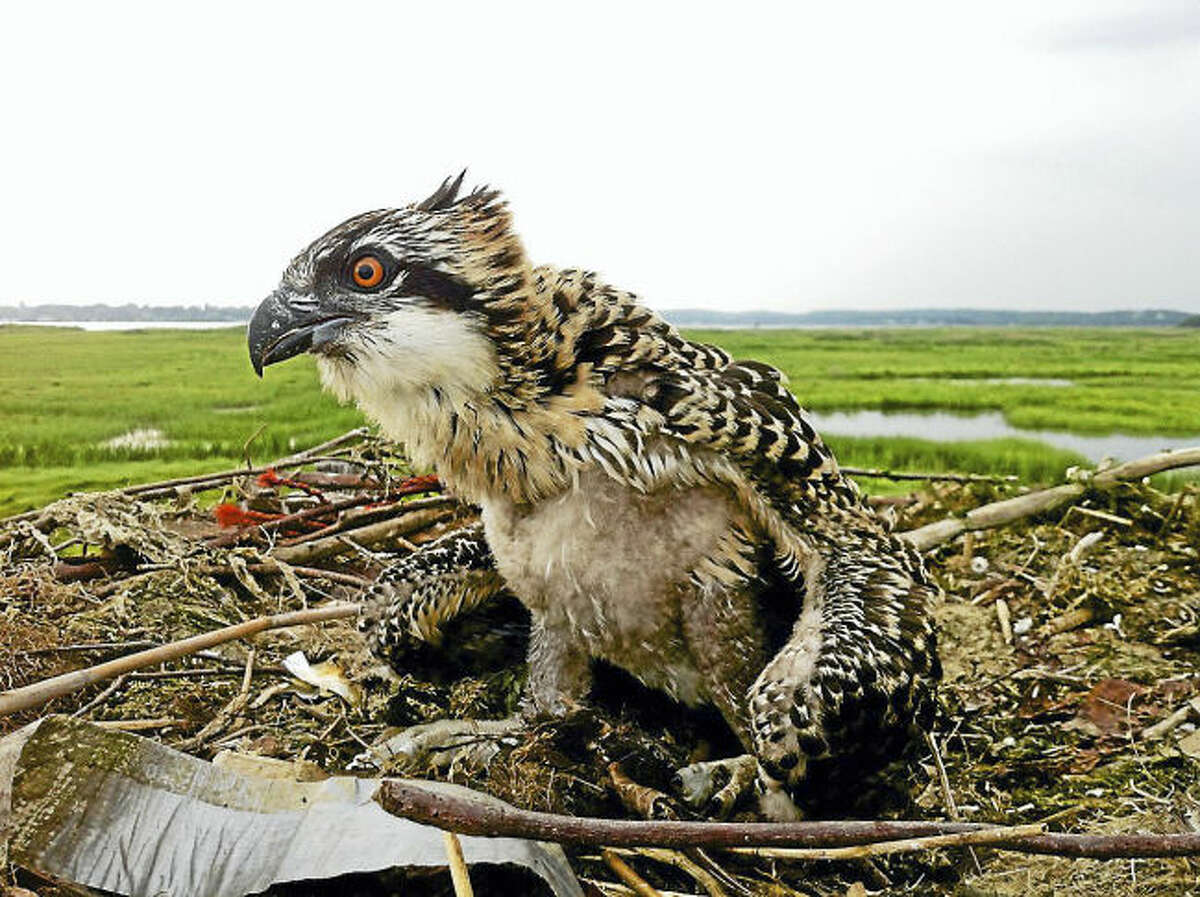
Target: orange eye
367	272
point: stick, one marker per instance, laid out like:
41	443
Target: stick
103	696
1005	620
269	567
632	880
367	535
948	793
929	477
40	692
458	866
1148	466
166	487
466	816
681	861
1003	512
142	725
357	518
93	646
380	505
1165	727
978	838
223	540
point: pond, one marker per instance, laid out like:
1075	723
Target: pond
943	426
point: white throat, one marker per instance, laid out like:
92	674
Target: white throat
409	373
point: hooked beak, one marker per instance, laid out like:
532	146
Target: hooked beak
277	331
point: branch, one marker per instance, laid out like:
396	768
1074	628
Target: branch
408	799
982	837
381	505
40	692
881	474
165	488
208	480
356	518
1004	512
366	536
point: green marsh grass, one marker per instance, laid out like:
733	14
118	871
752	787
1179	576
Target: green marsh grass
64	393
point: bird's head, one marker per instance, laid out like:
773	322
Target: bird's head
420	298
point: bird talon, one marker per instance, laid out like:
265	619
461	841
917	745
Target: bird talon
717	785
441	745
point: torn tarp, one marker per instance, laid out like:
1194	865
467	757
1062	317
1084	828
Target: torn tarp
125	814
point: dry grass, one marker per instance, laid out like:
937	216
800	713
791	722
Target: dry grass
1046	726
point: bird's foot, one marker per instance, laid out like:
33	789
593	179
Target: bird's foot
717	786
446	744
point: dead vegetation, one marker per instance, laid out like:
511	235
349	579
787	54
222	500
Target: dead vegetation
1070	641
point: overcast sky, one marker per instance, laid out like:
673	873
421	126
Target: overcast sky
1035	155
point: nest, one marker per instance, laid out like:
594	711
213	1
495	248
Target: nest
1070	641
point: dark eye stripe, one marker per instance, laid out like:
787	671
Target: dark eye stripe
442	289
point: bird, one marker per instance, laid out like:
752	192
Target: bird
654	503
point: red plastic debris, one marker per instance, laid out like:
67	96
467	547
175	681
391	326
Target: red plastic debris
232	515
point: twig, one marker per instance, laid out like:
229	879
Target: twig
1081	549
360	518
249	442
1165	727
458	866
94	646
1005	619
1170	518
40	692
323	447
680	861
228	713
1093	610
166	487
307	514
201	672
611	887
1004	512
102	697
269	567
142	725
999	835
1099	515
929	477
372	534
948	793
992	515
408	799
383	504
635	882
646	802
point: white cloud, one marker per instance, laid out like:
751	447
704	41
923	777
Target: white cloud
783	156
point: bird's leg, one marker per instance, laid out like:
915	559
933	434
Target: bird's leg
559	670
558	680
443	745
414	597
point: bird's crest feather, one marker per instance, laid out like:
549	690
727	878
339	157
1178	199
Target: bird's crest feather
446	197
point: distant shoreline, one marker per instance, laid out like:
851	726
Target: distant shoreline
126	325
132	317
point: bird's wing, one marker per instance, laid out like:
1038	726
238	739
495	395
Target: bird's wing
661	384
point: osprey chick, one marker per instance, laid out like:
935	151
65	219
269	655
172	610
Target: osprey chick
652	502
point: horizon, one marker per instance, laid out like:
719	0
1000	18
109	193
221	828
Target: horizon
694	310
1028	156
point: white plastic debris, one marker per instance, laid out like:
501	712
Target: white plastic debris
127	815
326	676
